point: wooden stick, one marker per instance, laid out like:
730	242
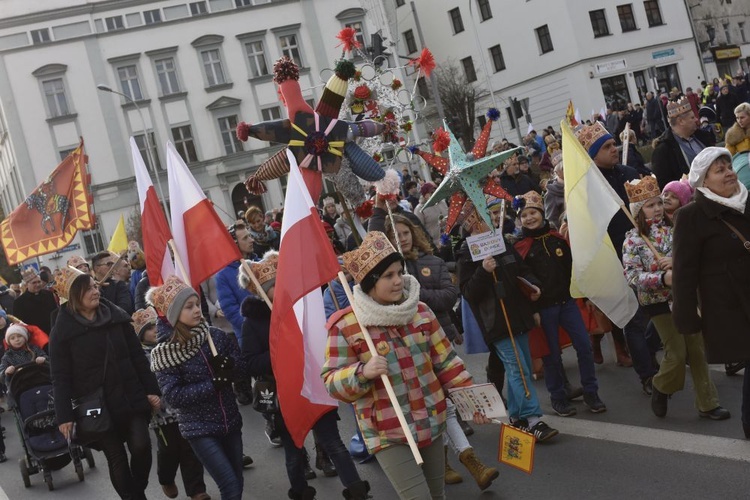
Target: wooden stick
181	266
625	143
527	393
645	238
384	378
254	279
349	218
111	270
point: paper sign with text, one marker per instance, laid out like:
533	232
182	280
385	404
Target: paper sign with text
516	448
482	398
485	244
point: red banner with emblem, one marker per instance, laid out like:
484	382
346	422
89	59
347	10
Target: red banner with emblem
52	214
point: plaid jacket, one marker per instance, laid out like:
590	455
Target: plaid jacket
421	364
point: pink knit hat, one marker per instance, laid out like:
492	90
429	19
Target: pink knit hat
681	189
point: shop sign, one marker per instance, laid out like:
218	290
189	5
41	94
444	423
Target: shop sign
727	53
663	54
608	67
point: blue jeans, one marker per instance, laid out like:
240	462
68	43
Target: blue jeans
222	458
641	352
568	316
327	432
519	406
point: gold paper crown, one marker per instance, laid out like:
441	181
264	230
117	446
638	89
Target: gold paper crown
587	135
161	297
29	274
678	108
556	158
64	279
532	199
374	248
264	271
642	189
76	261
142	318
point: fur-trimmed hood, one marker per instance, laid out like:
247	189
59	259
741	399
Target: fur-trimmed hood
370	313
736	135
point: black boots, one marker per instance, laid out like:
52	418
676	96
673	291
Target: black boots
323	463
307	494
357	491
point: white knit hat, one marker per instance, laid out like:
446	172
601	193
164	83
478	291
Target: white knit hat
15	328
702	162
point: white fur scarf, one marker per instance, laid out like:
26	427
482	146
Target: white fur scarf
370	313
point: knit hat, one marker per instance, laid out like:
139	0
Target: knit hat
77	260
532	199
677	108
640	191
702	162
169	298
28	274
493	202
15	328
427	188
374	249
592	137
64	279
681	189
264	270
142	319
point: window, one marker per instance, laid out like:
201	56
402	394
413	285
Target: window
653	14
184	144
212	67
727	32
140	140
40	36
273	113
167	75
468	64
496	54
256	58
411	43
400	3
357	26
627	19
743	36
198	8
545	40
599	22
616	93
152	16
227	127
114	23
242	3
456	21
92	239
129	84
423	88
54	92
290	48
65	152
667	77
485	12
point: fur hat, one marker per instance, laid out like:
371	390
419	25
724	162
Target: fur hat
77	260
28	274
169	298
532	199
264	270
64	279
374	249
702	162
640	191
677	108
143	318
592	137
681	189
16	328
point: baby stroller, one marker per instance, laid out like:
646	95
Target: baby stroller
30	397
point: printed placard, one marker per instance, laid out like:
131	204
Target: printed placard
485	244
516	448
482	398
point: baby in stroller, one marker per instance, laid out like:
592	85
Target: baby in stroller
19	352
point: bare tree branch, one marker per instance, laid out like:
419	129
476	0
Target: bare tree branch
459	99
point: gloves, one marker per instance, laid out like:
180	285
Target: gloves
222	380
223	368
221	363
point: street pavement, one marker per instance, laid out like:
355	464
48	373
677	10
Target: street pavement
624	453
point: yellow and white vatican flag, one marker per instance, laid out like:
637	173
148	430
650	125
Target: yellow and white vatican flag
591	203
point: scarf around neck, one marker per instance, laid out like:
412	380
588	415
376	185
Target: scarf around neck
737	201
170	354
370	313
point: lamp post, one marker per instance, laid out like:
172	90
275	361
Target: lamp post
105	88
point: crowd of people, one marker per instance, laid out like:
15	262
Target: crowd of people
153	357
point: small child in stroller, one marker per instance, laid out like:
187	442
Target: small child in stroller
19	352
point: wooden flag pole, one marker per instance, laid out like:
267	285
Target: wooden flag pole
111	270
625	143
181	266
254	279
384	378
527	393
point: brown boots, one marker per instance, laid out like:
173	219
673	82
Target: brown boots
451	476
623	358
596	345
482	474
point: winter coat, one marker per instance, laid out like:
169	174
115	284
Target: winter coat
341	302
166	415
78	349
668	161
518	184
430	218
135	278
231	297
117	292
635	160
620	224
725	104
421	363
36	309
15	357
140	291
256	348
652	110
554	203
483	294
202	410
436	289
642	269
712	270
7	298
548	256
737	139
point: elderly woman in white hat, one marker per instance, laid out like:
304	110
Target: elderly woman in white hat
711	260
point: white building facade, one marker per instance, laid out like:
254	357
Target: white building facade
194	70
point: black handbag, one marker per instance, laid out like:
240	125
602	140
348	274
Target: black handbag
92	418
265	398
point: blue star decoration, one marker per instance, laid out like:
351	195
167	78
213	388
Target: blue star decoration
469	174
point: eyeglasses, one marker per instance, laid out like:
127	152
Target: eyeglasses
107	264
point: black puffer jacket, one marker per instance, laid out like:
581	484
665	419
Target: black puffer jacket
255	331
548	256
77	355
436	289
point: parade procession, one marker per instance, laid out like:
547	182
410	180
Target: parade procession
374	249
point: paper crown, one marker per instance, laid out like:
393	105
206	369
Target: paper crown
642	189
174	292
556	158
29	274
677	108
143	318
328	201
374	248
532	199
76	261
592	137
64	279
264	270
